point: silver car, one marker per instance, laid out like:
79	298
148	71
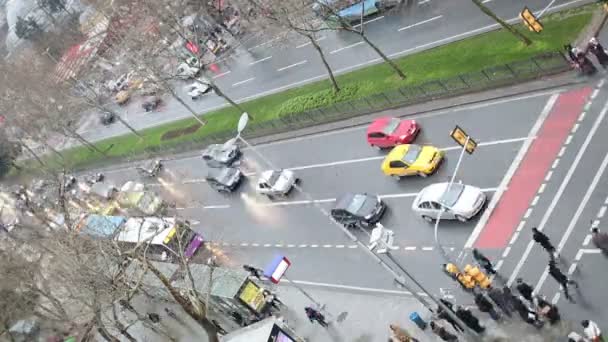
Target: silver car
276	183
461	202
219	155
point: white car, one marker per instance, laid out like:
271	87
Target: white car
185	71
197	89
461	202
276	183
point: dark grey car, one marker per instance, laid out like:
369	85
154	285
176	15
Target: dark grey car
224	179
218	155
358	210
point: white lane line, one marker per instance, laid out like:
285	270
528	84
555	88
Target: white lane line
560	191
506	252
278	245
499	265
535	200
571	269
514	238
291	246
595	224
420	23
577	214
601	83
602	212
370	21
223	206
360	160
260	60
427	248
555	163
340	246
346	47
244	244
314	246
292	65
521	226
542	188
555	298
568	140
594	94
255	245
196	180
327	246
309	43
587	240
267	245
265	43
353	246
303	246
485	1
422	2
511	171
606	200
548	176
562	151
582	116
242	82
410	248
587	106
347	287
222	74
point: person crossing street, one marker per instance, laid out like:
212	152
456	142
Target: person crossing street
544	242
561	279
483	261
524	289
314	315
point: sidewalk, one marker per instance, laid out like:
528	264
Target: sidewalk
369	315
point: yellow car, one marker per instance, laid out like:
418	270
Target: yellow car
407	160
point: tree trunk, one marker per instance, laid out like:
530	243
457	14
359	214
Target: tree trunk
86	142
382	55
187	106
32	153
314	43
503	23
124	123
186	304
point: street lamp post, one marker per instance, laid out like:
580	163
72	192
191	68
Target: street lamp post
243	120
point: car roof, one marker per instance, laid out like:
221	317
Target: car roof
378	124
215	172
432	192
343	201
397	152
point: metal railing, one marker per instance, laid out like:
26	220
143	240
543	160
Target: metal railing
488	78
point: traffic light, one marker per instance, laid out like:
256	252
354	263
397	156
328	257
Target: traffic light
530	20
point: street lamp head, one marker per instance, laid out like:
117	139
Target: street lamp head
243	120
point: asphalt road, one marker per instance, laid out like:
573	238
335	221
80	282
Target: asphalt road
250	229
267	65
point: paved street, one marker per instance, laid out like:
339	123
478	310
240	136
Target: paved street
266	66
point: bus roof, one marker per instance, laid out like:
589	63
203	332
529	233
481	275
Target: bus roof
151	229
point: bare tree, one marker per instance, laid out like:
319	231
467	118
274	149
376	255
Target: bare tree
502	23
293	16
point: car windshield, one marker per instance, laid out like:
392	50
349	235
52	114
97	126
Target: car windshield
391	126
356	203
451	196
272	180
412	154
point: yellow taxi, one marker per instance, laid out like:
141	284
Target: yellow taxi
408	160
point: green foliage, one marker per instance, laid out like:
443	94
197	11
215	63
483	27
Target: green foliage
472	54
9	151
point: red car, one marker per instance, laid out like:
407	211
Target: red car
388	132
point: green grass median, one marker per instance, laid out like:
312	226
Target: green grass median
472	54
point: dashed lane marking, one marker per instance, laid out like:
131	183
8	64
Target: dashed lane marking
419	23
345	47
309	43
370	21
292	65
260	60
222	74
243	82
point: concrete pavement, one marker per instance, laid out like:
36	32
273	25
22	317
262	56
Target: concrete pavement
261	69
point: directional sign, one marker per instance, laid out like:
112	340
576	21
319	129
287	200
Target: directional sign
277	268
530	20
464	140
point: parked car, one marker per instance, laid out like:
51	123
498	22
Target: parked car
276	182
362	210
351	10
150	103
224	179
461	202
185	71
197	89
218	155
388	132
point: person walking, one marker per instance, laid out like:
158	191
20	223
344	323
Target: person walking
526	313
443	334
484	305
499	298
314	315
483	261
598	50
561	279
469	319
524	289
592	331
442	314
544	241
400	334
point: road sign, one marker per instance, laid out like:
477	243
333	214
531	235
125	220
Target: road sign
461	137
277	268
530	20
